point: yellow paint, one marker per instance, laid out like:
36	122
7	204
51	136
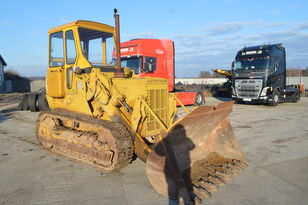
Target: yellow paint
99	94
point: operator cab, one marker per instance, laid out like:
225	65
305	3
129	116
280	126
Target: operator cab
85	41
87	44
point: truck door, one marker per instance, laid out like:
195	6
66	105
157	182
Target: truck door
275	78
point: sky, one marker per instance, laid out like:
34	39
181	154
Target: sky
207	33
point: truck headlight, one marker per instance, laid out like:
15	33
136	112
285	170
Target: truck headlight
264	91
233	91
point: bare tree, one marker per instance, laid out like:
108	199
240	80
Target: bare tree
205	74
294	72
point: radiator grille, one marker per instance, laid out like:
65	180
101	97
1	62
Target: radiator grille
157	99
248	88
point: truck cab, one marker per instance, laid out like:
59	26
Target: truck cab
156	58
150	57
259	74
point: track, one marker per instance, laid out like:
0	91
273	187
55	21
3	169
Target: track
103	144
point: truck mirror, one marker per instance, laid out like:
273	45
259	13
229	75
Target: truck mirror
150	67
150	64
232	65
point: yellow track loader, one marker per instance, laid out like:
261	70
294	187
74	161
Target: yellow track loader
104	115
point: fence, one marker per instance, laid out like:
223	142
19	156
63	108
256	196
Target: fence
23	85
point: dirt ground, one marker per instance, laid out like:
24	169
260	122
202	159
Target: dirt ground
274	140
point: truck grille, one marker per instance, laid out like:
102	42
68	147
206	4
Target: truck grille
157	99
248	88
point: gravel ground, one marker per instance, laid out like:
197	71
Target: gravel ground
274	140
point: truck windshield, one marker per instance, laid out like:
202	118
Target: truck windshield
260	63
134	63
97	47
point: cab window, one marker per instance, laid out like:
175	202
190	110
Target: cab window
149	64
97	47
70	47
275	63
56	57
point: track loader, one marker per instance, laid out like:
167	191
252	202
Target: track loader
103	116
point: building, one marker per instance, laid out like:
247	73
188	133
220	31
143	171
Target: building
2	65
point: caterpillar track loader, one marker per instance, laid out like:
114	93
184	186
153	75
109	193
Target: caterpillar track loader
102	115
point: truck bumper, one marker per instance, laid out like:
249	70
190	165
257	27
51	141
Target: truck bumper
260	100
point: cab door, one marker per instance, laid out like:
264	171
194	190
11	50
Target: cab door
70	60
62	58
55	73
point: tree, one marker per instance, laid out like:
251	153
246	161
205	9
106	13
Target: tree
305	72
11	74
294	72
205	74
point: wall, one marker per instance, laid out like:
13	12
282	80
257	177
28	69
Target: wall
36	85
24	85
210	81
17	86
298	80
2	87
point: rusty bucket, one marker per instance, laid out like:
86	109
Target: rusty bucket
197	154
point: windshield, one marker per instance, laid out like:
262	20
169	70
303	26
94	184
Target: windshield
252	63
97	47
132	63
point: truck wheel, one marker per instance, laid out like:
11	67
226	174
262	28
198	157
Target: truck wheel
276	97
296	97
239	102
26	104
42	102
22	102
199	99
32	102
215	91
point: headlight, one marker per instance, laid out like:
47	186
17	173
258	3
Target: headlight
263	93
233	91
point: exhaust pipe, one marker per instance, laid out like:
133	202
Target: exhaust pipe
119	73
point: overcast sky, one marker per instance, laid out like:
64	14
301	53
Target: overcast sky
207	33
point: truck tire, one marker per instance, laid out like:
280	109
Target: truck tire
276	97
32	102
22	102
199	99
239	102
296	97
42	102
215	91
26	104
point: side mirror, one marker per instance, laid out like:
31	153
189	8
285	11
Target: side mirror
150	67
149	64
232	65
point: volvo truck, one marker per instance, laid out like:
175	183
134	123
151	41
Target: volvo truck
259	75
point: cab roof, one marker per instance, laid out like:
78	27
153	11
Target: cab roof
85	24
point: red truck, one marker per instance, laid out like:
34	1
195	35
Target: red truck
155	58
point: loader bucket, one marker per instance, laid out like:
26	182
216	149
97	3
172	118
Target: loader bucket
197	155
